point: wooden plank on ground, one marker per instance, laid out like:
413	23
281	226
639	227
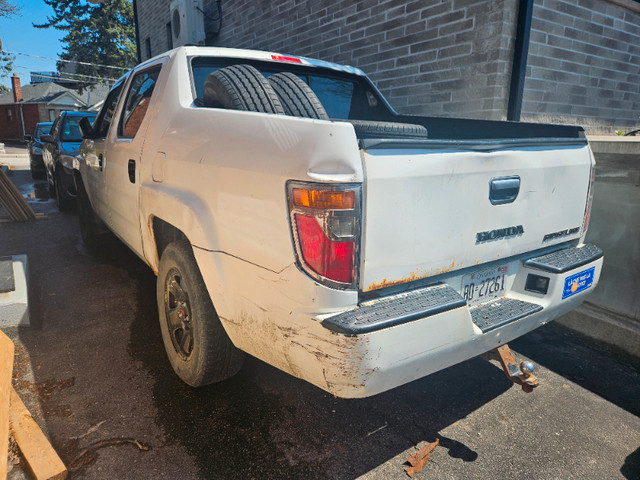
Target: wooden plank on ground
6	369
42	459
13	201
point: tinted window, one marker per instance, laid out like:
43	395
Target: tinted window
343	95
101	125
70	131
335	95
42	130
138	100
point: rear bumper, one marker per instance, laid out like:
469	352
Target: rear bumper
389	342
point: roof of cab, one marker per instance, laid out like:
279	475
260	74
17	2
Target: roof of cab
257	55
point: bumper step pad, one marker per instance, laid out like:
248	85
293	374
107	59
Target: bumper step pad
396	310
567	259
500	312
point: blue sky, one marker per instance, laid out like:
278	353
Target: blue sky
18	35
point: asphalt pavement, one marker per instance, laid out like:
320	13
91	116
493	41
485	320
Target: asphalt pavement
92	370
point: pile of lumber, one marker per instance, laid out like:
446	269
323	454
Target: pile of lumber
42	459
13	202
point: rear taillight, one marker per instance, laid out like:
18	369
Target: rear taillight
325	222
587	209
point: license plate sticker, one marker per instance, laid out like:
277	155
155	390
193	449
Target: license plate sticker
578	282
484	285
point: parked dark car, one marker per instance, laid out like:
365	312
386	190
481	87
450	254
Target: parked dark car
60	148
35	149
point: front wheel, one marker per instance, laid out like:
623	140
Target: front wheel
92	229
197	345
65	203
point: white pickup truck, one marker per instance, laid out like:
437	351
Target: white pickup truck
290	213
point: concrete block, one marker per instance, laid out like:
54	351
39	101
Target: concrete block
14	305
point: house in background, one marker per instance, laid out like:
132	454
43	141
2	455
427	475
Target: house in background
562	61
23	107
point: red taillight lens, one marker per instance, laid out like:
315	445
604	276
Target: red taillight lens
332	260
325	224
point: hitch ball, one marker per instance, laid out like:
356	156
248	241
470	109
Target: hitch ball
527	368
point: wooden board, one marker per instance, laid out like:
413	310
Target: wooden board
42	459
13	201
6	369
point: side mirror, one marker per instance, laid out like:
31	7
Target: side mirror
28	138
85	127
46	138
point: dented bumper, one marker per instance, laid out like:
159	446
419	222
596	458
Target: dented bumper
391	341
317	334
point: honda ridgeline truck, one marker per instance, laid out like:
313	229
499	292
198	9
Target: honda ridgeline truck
290	213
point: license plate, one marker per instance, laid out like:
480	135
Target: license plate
484	285
578	282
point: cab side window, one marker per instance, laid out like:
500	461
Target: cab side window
138	99
102	123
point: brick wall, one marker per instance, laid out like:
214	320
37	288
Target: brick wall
12	129
451	58
153	16
584	65
10	125
446	58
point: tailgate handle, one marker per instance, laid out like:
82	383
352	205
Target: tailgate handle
504	190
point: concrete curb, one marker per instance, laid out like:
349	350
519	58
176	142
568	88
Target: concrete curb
605	326
614	144
14	305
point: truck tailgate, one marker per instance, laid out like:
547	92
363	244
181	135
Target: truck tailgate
428	206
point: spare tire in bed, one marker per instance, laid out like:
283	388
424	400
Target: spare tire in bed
240	87
297	98
372	129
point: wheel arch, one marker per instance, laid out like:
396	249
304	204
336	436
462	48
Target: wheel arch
163	234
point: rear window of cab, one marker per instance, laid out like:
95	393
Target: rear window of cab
343	95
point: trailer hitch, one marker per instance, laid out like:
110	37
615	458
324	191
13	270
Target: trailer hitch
522	375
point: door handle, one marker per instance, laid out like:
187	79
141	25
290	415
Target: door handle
100	162
504	190
132	171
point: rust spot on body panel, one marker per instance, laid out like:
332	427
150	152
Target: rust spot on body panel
416	275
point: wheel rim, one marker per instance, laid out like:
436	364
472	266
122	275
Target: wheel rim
178	314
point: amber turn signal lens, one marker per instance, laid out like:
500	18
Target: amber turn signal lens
324	199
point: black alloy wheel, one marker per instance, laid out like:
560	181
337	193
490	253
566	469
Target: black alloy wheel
178	314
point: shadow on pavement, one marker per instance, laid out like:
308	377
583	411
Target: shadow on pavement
264	423
631	468
605	371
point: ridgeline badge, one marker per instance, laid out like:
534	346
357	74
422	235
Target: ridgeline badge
561	233
499	234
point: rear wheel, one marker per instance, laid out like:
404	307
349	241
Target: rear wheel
240	87
197	345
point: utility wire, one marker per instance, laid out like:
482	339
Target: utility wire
64	74
52	76
61	60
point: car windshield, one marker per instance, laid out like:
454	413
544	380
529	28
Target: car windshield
343	95
71	129
42	130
